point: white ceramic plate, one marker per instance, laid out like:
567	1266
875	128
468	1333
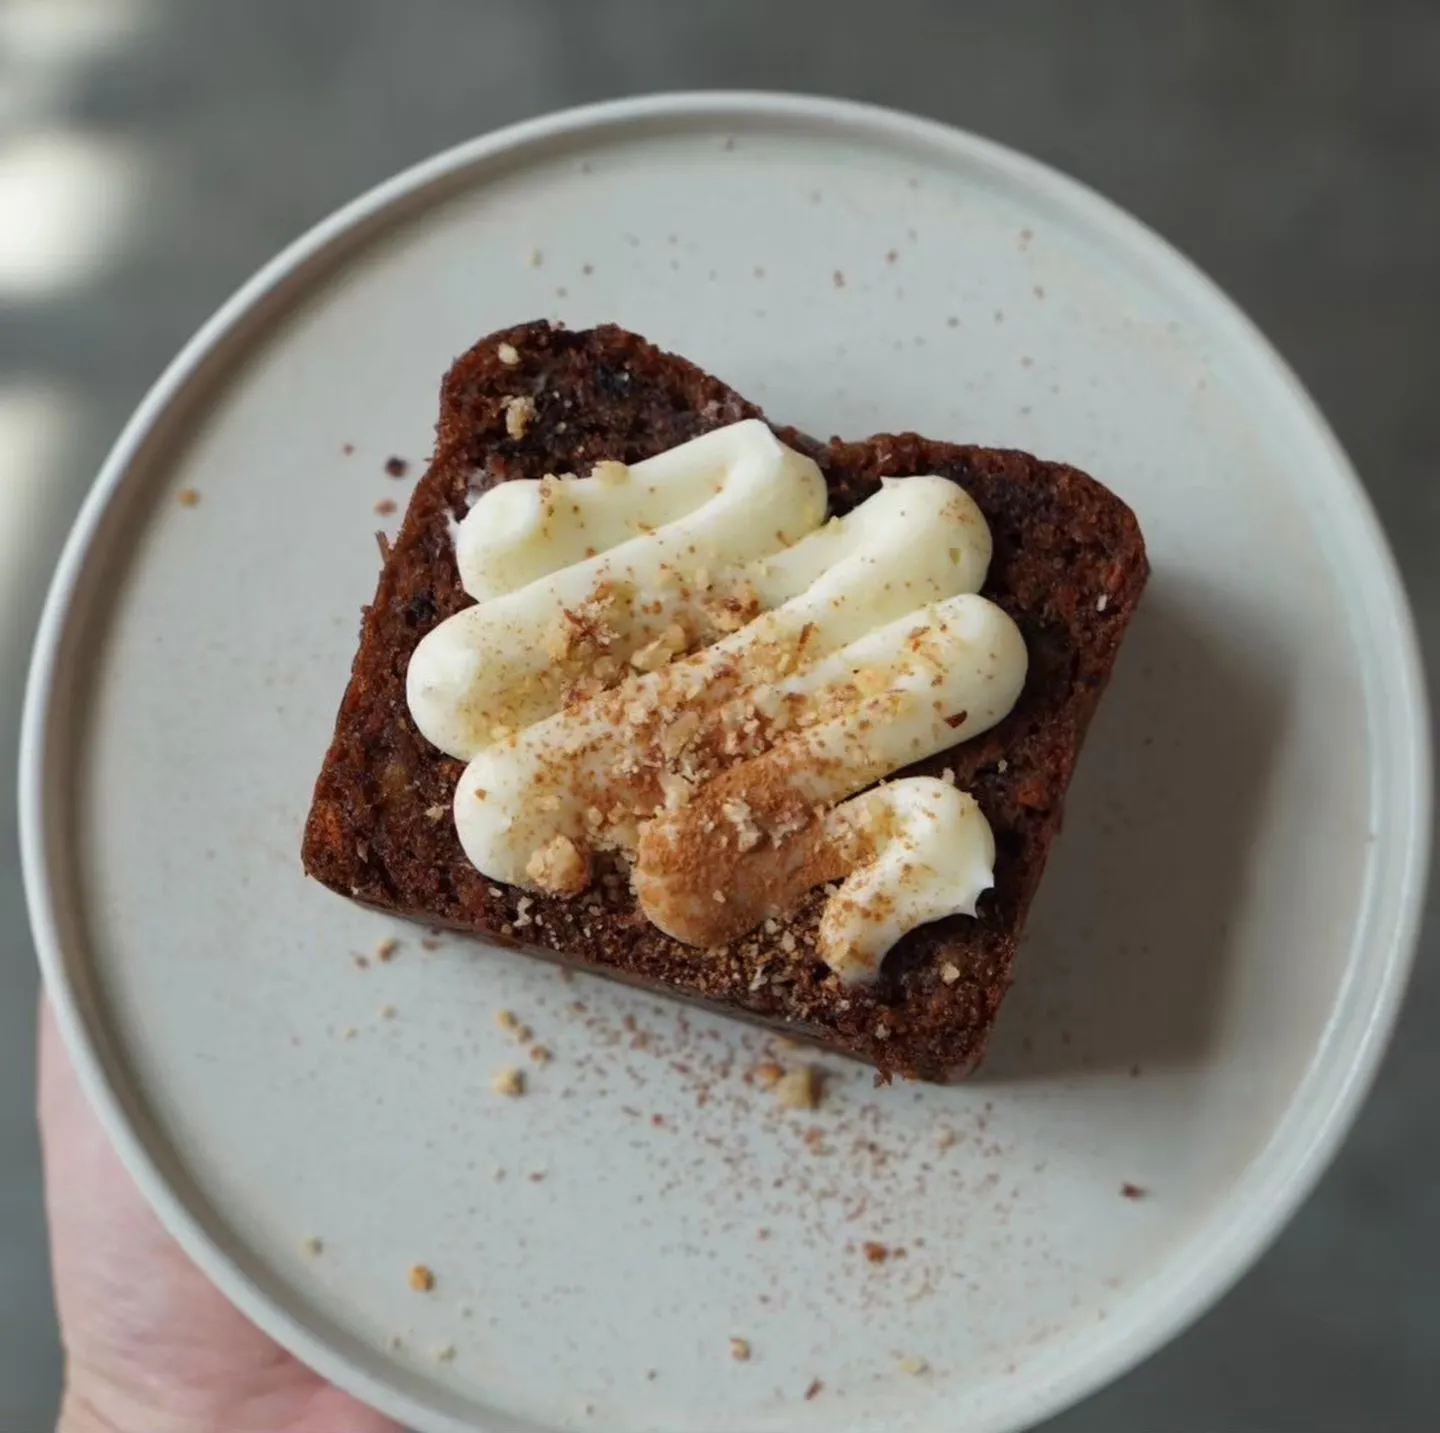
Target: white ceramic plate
1212	967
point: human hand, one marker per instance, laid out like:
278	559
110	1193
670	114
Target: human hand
151	1346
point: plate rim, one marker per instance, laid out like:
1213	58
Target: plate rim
1390	907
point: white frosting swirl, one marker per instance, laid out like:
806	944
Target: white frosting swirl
858	647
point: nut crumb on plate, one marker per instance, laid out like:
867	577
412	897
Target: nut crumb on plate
508	1081
422	1278
800	1088
768	1073
312	1244
740	1350
912	1366
386	949
187	498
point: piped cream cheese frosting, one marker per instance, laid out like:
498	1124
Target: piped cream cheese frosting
684	663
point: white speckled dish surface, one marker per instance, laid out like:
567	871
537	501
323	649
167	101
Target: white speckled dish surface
1210	972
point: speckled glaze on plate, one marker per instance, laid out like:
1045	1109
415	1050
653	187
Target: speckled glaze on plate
1212	966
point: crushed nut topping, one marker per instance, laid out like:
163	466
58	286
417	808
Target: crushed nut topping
560	867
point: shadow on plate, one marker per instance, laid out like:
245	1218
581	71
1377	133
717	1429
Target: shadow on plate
1128	949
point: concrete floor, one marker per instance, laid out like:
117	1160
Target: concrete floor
154	152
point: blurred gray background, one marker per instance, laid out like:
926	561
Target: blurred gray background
154	152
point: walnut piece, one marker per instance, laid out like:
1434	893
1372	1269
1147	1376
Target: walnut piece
519	414
560	867
508	1081
800	1088
662	651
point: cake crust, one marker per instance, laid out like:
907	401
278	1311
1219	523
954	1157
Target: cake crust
1069	566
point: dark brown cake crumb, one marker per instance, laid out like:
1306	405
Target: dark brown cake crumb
1132	1191
397	467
